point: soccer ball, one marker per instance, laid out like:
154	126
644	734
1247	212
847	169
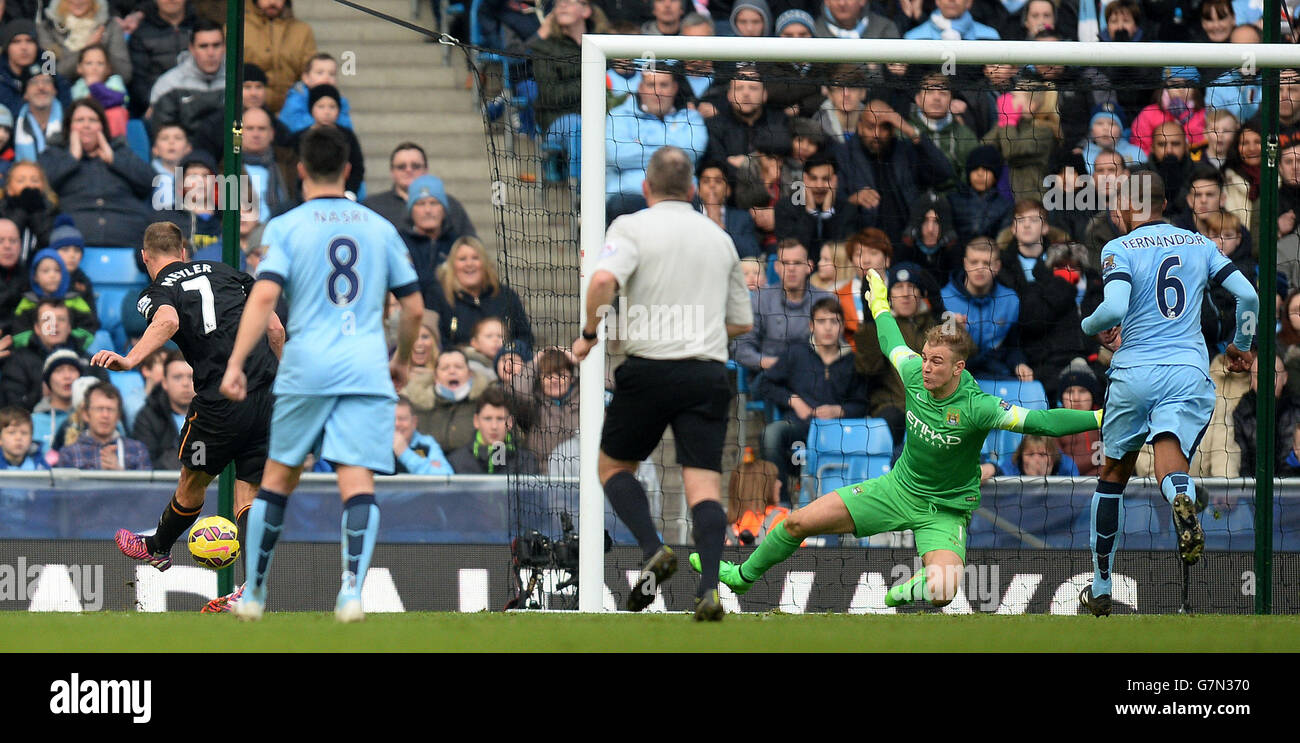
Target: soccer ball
214	542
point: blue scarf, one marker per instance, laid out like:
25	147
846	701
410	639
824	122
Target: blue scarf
846	33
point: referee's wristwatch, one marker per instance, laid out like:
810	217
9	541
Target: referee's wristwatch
593	335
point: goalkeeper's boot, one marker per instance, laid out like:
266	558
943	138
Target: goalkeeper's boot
347	608
133	546
1191	538
658	569
1098	605
709	608
728	574
223	604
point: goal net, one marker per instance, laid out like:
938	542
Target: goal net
978	176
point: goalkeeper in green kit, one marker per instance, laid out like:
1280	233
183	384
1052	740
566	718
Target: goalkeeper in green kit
935	485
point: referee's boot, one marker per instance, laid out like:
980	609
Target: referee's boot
1191	538
658	569
1098	605
709	608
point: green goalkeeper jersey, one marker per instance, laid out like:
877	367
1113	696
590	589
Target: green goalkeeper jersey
940	460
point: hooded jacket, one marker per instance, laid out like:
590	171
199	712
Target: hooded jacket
280	46
940	259
80	312
551	420
478	458
54	30
801	371
991	321
186	75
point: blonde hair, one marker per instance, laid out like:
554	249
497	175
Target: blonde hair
845	271
1047	442
1043	108
50	195
750	488
597	23
447	274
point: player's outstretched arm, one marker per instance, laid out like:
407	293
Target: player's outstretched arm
1057	422
1239	354
164	325
257	312
891	338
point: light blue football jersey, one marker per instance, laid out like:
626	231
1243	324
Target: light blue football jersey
1170	270
336	261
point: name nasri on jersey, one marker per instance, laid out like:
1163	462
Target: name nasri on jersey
186	273
339	217
1160	241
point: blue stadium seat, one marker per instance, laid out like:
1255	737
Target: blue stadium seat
834	444
868	467
108	304
137	138
1000	445
126	381
112	266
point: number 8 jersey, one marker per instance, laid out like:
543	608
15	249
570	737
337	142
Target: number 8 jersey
336	261
209	301
1169	270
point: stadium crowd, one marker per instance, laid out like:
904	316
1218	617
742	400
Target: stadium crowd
979	194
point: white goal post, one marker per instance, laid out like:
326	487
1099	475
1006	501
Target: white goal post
597	50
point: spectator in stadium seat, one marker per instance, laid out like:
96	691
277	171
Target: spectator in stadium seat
637	128
733	129
1106	130
1241	174
158	425
493	449
548	387
49	279
1244	421
1220	129
101	447
486	342
989	311
201	68
782	314
259	161
61	369
853	19
163	33
13	279
170	145
1038	456
420	382
951	20
981	97
1204	197
715	202
322	69
888	167
931	240
1235	92
1057	289
72	248
1108	175
846	96
794	87
751	18
1027	144
16	441
979	209
278	43
406	163
22	59
68	26
668	18
753	501
1132	85
1170	159
455	391
96	78
864	250
1066	209
39	120
429	238
1080	390
834	272
699	72
197	214
811	381
1080	90
818	214
557	52
324	101
102	185
415	453
470	291
1178	102
932	115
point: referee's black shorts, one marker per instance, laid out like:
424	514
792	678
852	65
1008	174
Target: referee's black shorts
218	433
693	396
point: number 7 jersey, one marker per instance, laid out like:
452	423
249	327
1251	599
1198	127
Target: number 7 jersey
336	261
209	301
1169	270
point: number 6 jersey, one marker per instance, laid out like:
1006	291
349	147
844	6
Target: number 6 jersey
209	301
336	261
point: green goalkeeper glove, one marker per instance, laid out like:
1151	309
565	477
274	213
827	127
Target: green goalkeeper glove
878	300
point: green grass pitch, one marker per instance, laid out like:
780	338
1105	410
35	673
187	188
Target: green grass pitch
521	632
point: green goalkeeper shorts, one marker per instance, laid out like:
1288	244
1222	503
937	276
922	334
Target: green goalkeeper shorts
880	505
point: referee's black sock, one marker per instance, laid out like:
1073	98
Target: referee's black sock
710	533
174	521
632	507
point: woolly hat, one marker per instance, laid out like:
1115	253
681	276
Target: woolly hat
424	187
17	27
62	357
1081	376
200	157
255	74
324	90
791	17
984	156
1190	74
65	234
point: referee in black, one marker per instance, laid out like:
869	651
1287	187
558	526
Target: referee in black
686	296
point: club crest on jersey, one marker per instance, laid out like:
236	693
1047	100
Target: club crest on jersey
953	417
143	306
1107	264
